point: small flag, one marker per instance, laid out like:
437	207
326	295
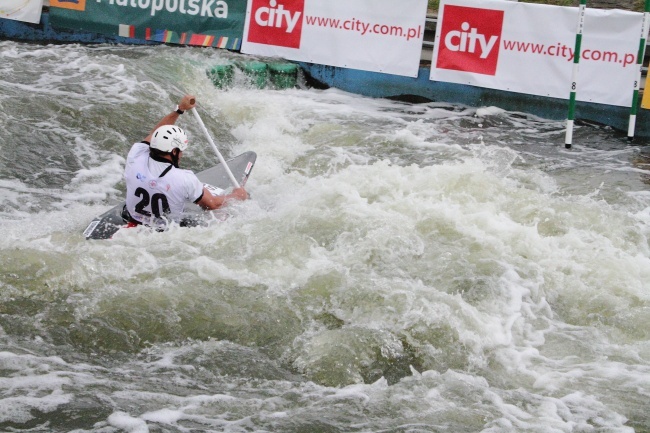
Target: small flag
126	31
202	40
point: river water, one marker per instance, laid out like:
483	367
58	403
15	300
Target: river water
399	268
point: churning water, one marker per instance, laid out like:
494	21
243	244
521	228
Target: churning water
400	268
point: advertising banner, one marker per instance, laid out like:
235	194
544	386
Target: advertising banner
215	23
371	35
21	10
529	48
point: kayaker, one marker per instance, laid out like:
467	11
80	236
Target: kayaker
156	188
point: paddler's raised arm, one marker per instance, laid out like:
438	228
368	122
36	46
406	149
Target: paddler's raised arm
187	103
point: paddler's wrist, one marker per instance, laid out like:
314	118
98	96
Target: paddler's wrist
178	110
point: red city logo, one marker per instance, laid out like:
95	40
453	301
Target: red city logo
275	23
469	40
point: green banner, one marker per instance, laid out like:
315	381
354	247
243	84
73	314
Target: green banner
214	23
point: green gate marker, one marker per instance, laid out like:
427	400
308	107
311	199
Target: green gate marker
574	76
637	83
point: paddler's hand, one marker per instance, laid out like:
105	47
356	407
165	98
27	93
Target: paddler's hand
239	194
187	103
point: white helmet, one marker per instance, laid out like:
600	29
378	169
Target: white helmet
168	137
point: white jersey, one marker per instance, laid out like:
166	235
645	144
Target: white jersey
156	191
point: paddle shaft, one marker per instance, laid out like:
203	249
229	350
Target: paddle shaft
214	147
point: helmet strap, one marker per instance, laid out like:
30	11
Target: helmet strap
167	157
175	154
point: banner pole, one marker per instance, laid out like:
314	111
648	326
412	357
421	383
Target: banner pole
574	75
637	83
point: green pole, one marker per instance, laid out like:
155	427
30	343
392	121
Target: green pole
637	83
574	76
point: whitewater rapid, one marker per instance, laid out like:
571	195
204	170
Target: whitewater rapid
399	268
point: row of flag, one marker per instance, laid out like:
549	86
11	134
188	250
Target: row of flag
184	38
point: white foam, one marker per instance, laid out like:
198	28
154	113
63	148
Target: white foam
164	416
489	111
126	422
35	384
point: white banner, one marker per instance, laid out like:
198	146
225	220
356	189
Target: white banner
21	10
529	48
372	35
